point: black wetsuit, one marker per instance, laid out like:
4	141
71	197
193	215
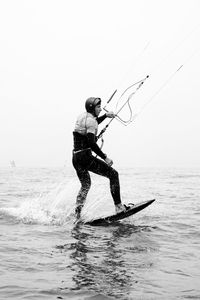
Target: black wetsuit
83	160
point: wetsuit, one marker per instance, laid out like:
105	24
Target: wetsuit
84	135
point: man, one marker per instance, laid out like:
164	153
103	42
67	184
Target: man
85	138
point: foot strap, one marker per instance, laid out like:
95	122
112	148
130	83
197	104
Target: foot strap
129	206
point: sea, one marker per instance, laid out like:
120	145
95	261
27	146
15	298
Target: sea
46	254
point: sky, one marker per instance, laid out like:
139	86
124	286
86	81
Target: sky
57	53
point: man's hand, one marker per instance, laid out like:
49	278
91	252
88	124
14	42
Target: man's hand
108	161
110	114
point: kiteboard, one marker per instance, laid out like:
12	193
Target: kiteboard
134	208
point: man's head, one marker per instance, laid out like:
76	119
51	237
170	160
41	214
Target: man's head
93	106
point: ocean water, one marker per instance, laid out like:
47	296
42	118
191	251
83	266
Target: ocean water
154	254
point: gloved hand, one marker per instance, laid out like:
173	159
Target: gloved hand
108	161
110	114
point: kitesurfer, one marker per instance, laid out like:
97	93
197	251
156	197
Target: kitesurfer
85	142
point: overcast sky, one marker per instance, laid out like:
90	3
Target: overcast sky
57	53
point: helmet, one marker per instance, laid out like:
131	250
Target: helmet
90	104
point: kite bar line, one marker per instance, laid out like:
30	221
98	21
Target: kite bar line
141	82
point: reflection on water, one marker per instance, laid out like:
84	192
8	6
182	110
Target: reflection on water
106	260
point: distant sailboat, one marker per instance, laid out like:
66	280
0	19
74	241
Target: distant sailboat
12	163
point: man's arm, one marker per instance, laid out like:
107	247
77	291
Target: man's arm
101	119
93	145
109	114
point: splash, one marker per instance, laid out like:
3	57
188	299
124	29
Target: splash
53	207
57	206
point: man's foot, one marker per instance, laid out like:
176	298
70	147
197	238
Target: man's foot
121	207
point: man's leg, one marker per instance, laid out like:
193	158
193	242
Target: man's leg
101	168
85	181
